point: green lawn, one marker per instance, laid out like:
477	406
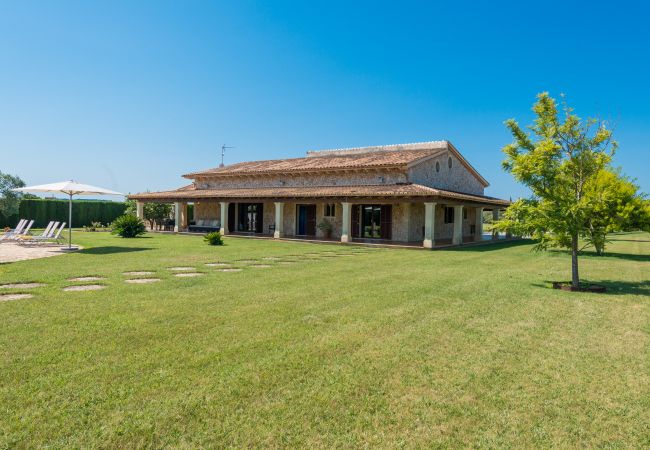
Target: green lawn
383	348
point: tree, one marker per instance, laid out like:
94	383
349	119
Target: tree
615	205
9	200
155	213
562	157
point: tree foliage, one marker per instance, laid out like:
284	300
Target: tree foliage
155	213
558	160
9	200
614	205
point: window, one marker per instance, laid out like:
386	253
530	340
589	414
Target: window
330	209
437	166
464	213
449	162
449	214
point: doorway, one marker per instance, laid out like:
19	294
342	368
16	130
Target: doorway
306	220
250	217
372	221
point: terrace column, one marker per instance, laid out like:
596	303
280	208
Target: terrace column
139	209
457	238
177	217
495	217
279	220
183	224
224	219
478	225
429	225
346	225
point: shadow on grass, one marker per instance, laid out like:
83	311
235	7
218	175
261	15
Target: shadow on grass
613	287
489	246
629	240
592	255
110	250
643	258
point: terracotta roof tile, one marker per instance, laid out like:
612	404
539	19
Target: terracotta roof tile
374	159
286	192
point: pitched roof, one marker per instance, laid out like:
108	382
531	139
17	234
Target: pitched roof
383	156
382	159
190	193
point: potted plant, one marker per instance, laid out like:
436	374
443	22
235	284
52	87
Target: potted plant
326	227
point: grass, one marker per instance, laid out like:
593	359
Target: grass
385	348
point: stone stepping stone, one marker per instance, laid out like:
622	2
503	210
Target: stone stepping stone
143	280
188	274
9	297
246	261
140	273
261	266
271	258
229	270
21	285
90	278
218	264
181	269
84	287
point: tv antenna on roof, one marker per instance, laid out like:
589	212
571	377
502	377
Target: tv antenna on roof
223	152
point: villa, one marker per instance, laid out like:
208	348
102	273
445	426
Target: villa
424	194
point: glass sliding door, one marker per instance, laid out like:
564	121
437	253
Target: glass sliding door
250	217
371	222
375	221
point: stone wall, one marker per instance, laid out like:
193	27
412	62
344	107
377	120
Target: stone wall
407	219
290	180
207	210
458	178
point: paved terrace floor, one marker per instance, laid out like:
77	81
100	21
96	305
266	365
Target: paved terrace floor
10	252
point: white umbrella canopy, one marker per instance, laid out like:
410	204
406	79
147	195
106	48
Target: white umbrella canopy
69	188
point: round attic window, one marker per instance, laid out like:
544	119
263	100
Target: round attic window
437	166
449	162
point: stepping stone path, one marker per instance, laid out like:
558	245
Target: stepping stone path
260	266
144	280
21	285
84	287
181	269
138	274
188	274
86	279
230	270
247	261
271	258
8	297
218	264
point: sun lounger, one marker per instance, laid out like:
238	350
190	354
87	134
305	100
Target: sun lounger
54	236
15	231
18	233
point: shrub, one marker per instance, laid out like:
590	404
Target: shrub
128	226
214	238
84	212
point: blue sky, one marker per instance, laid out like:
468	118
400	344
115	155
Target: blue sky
130	95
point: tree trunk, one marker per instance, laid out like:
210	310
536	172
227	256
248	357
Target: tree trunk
575	278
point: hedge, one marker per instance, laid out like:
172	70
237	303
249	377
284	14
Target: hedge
84	212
